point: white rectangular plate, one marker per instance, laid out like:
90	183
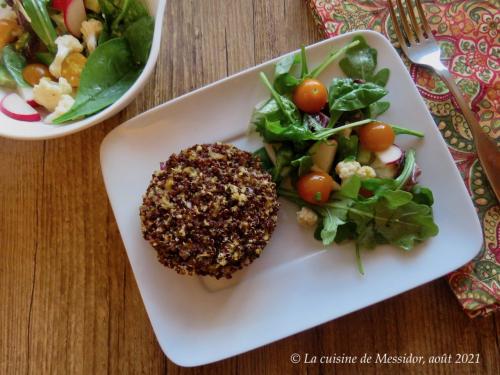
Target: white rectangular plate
296	284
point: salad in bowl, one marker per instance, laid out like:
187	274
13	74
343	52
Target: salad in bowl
64	60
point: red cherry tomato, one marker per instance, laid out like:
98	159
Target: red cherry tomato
376	136
315	187
310	96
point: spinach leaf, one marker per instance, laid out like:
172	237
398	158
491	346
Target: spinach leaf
275	131
139	36
108	74
304	164
6	79
376	109
41	22
360	62
348	95
125	13
382	77
14	62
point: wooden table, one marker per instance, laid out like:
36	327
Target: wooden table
69	301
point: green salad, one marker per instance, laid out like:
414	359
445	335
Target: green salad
329	155
63	60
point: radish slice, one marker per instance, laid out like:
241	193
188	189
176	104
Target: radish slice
15	107
74	15
27	94
392	155
59	5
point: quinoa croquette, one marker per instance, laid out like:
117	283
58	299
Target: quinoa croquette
209	210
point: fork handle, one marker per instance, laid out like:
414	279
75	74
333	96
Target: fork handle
487	151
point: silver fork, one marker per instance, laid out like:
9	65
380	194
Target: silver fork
418	43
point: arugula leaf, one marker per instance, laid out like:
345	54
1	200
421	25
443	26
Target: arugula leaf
348	95
304	164
348	147
350	187
422	195
108	74
14	62
41	23
264	159
275	131
403	225
360	62
406	172
6	79
284	81
45	58
376	185
399	130
287	107
284	157
333	218
331	58
312	123
139	36
304	70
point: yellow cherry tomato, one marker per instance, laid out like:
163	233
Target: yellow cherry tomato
72	67
9	30
315	187
33	73
376	136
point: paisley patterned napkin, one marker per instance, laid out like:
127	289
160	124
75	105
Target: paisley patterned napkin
469	35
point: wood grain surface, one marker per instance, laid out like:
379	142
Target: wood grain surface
69	303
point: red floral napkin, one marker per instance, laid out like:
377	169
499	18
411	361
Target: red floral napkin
469	35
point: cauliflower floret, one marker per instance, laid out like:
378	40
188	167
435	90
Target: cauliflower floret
64	105
48	93
366	172
346	169
65	45
307	217
7	13
91	30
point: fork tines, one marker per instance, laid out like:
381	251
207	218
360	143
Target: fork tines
412	31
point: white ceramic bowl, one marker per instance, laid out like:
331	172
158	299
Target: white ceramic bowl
11	128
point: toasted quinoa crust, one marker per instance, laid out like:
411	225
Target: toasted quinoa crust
210	210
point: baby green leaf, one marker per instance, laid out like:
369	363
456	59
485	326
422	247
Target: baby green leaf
139	36
108	74
6	79
304	164
347	95
14	62
41	23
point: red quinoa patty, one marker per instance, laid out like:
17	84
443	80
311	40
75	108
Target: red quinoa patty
210	210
